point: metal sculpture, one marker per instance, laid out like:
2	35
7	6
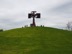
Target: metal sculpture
33	15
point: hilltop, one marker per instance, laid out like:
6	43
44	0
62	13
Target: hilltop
36	40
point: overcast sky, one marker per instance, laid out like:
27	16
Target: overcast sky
54	13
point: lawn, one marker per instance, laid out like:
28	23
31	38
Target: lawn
36	40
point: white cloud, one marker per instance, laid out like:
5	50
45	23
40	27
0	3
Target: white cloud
13	13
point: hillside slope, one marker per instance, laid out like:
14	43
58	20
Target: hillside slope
36	40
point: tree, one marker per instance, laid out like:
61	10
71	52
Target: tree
69	25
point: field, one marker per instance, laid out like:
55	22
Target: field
36	40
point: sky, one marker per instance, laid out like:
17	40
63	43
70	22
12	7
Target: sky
54	13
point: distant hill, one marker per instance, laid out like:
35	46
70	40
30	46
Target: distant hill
36	40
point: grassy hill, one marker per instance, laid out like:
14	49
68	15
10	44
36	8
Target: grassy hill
36	40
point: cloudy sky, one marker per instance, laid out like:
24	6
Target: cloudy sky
54	13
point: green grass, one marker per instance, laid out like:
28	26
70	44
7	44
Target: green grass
36	40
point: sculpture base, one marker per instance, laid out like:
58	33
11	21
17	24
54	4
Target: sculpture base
32	25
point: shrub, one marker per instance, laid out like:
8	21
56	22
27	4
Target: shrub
1	30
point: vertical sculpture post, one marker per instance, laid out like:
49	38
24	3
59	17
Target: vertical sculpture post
33	13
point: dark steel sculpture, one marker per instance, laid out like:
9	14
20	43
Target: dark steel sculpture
33	15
